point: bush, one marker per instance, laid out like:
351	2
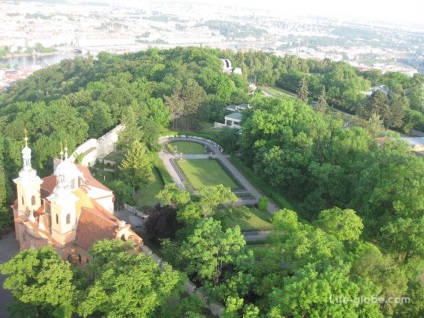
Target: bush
263	203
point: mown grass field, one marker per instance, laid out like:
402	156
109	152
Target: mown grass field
205	172
277	92
186	147
147	193
254	220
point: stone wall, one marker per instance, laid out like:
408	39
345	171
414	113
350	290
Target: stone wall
93	149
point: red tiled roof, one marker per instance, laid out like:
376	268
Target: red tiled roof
100	210
90	180
382	140
48	185
92	226
40	211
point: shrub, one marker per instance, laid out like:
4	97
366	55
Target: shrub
263	203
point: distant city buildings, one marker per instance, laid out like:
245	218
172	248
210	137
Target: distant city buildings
130	27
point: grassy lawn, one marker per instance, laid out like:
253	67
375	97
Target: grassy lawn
102	175
146	195
277	92
255	220
205	172
186	147
115	156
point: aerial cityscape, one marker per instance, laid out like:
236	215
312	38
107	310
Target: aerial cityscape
226	158
42	28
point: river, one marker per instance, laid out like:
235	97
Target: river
33	60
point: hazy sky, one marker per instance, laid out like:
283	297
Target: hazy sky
403	10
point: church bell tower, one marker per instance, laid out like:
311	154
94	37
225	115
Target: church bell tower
27	186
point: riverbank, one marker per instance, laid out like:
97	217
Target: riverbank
14	55
18	61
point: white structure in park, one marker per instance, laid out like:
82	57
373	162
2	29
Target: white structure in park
93	149
228	68
233	120
237	108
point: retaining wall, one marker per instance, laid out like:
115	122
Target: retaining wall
97	148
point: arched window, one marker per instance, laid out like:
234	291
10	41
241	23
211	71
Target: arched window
79	258
33	200
57	219
68	218
69	258
23	202
123	237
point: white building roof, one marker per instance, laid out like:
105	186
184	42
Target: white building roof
234	116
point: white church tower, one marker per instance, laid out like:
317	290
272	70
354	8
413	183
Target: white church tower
28	187
63	202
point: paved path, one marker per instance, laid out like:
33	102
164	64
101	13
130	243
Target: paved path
166	157
9	247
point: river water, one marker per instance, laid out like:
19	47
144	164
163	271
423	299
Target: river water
43	60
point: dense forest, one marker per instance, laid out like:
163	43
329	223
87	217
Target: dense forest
401	108
358	228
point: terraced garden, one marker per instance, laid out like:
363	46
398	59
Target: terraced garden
205	172
253	220
186	147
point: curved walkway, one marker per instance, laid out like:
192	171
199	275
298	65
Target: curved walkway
167	157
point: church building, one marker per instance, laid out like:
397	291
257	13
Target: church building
69	210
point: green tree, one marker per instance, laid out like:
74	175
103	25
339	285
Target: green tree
122	191
175	106
159	112
396	111
375	125
377	104
322	102
235	308
223	87
136	167
404	237
302	243
179	306
228	139
41	283
210	249
319	290
382	270
263	203
303	91
208	201
132	131
212	196
125	284
345	225
173	196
